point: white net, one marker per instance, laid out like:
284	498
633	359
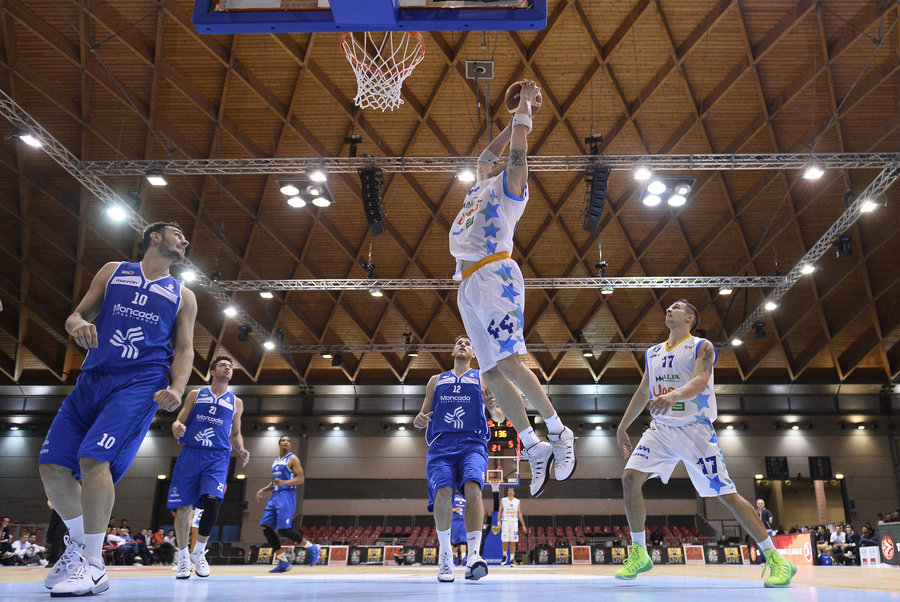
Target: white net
381	62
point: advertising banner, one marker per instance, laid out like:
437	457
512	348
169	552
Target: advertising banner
674	555
888	537
657	554
798	547
733	555
600	554
693	554
338	555
581	554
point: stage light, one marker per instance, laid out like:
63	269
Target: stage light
642	174
466	175
296	201
861	427
867	206
269	344
656	187
725	290
240	476
770	306
401	427
326	355
321	201
117	213
156	177
587	353
318	175
335	427
813	172
682	188
230	311
730	427
271	427
161	477
795	427
413	352
188	275
28	138
289	190
676	200
651	200
598	427
14	427
606	290
758	477
376	292
266	293
807	269
838	475
737	342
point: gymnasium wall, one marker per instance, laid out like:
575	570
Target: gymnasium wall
352	473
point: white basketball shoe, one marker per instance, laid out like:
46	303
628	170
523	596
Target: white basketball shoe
563	454
540	456
201	567
445	569
183	570
85	580
66	564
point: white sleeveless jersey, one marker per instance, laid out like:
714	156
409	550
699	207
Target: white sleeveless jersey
669	369
510	509
487	221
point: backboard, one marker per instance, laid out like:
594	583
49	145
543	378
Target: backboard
283	16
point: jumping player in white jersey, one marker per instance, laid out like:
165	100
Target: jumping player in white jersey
144	331
457	433
511	514
491	295
279	513
683	406
208	424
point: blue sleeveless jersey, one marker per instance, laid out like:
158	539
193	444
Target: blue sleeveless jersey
281	471
136	322
458	407
209	425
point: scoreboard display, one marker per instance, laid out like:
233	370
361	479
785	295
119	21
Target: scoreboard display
504	438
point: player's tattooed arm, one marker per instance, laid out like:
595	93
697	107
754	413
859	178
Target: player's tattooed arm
517	158
707	359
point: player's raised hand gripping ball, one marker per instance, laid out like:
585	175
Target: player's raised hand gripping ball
513	95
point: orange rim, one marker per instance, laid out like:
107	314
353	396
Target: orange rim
417	57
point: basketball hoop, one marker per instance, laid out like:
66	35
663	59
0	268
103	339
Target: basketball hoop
381	65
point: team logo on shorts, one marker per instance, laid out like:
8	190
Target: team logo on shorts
127	341
455	418
205	437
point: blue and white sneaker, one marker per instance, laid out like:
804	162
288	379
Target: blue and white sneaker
314	551
283	567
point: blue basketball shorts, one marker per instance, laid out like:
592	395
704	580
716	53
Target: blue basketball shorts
105	418
457	531
453	463
279	512
198	472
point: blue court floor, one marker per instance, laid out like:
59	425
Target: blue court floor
731	584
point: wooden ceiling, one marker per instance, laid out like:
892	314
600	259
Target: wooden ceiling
133	80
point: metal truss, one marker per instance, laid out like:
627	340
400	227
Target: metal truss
20	118
884	180
535	283
296	165
432	348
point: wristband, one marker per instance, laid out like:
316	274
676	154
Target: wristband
488	156
520	119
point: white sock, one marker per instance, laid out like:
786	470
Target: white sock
444	541
554	424
473	539
76	528
93	548
639	538
767	544
282	557
199	547
183	553
528	437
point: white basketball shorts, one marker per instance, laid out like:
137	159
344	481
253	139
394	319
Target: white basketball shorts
662	446
509	531
492	306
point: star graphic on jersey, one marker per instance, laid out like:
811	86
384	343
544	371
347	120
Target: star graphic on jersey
702	401
490	231
715	483
490	211
714	439
518	315
703	419
504	272
509	292
493	195
508	346
490	246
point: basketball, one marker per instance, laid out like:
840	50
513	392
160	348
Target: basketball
512	99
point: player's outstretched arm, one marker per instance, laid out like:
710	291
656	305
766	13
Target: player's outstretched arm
424	416
237	439
490	156
635	407
703	367
79	323
517	170
180	424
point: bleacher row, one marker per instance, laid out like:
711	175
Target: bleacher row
369	531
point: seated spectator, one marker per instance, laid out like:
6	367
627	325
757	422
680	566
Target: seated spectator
895	518
804	529
6	550
129	549
837	538
867	536
28	551
879	518
723	540
580	541
850	549
822	540
144	547
167	548
561	542
794	529
112	522
656	537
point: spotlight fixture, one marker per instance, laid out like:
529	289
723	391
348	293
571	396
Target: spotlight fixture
729	427
674	190
240	476
860	427
807	268
244	333
682	188
161	477
642	174
401	427
156	177
296	201
376	292
867	206
844	250
335	427
289	189
271	427
758	477
676	200
795	427
269	344
770	306
230	311
327	355
466	175
28	138
413	352
117	213
759	329
587	353
606	290
321	201
725	290
737	342
651	200
266	293
598	427
813	172
371	180
656	187
14	427
838	475
318	175
188	276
